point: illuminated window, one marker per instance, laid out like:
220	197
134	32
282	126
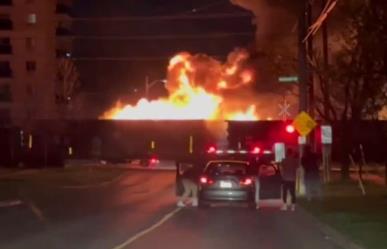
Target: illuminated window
31	19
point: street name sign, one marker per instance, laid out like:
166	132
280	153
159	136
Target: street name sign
288	79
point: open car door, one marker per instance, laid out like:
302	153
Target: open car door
270	181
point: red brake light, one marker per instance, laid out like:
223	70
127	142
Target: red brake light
154	160
290	129
205	180
256	150
212	149
247	181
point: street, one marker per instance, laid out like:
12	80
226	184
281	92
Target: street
135	212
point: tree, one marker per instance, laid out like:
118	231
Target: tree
67	84
354	86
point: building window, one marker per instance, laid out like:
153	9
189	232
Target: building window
30	43
5	93
5	114
31	19
5	45
5	2
31	66
5	69
5	22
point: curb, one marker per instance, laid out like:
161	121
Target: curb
335	236
101	184
122	166
17	173
126	166
11	203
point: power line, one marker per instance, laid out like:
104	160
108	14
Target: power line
164	17
204	7
158	37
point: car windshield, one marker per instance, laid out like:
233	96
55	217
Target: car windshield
226	168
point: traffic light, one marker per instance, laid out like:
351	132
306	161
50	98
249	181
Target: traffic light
211	150
290	129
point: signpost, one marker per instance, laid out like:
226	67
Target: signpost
326	140
279	152
284	110
304	123
288	79
326	134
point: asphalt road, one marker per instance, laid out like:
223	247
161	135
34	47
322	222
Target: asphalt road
115	215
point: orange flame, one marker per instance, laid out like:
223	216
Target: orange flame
195	84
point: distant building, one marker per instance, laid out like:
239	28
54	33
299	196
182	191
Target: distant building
33	34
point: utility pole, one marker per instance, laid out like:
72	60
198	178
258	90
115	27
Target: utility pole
303	79
326	148
310	73
325	37
302	60
311	106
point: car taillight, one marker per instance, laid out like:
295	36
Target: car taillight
256	150
246	182
154	161
205	180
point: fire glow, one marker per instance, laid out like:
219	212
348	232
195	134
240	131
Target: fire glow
200	88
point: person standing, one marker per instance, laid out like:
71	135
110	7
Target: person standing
255	171
179	188
189	180
289	168
310	164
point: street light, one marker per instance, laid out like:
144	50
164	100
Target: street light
149	85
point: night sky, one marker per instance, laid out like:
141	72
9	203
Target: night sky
114	78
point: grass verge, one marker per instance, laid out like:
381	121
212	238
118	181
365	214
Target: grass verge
363	219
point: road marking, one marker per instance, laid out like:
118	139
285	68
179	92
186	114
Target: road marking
12	203
148	230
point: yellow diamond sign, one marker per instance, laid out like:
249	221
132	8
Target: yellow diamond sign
304	123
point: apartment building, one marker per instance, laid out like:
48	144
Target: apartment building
33	34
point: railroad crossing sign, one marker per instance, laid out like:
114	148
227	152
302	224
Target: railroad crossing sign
284	110
304	123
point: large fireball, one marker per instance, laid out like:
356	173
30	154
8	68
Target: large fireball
200	88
